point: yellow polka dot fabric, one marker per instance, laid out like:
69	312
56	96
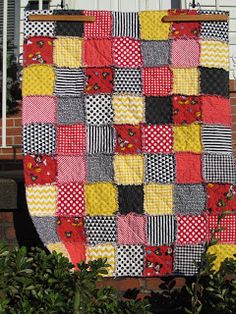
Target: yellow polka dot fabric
103	251
101	198
38	80
129	169
186	81
67	52
222	251
214	54
59	248
187	138
158	199
152	27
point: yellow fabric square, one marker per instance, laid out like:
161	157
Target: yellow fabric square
59	248
38	80
103	251
152	27
100	199
128	109
186	81
42	200
129	169
214	54
158	199
67	52
222	251
187	138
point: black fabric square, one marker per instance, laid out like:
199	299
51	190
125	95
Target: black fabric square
65	28
158	110
214	81
130	199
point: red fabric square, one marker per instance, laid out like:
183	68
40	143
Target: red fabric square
99	80
76	251
39	169
71	229
157	138
216	110
101	27
188	168
97	52
191	229
128	139
70	200
38	50
186	109
185	53
157	81
184	29
71	169
228	235
71	139
126	52
158	260
221	197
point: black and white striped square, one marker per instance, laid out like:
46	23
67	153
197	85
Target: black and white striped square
69	82
217	138
125	24
161	229
100	139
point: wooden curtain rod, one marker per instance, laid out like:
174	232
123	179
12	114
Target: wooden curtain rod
64	17
195	18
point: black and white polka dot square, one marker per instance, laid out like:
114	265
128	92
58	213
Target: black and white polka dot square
38	28
129	260
99	109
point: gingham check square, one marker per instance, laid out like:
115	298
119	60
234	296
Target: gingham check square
129	169
158	199
157	81
67	52
186	81
71	139
228	235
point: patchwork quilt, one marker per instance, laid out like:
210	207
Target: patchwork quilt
127	139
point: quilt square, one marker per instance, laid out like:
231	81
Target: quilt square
186	81
100	168
160	168
189	198
70	169
38	80
214	54
188	168
228	234
128	109
161	229
63	28
157	81
101	27
185	53
67	52
101	199
152	27
99	80
38	28
131	229
76	251
39	139
100	229
158	199
217	139
214	81
129	169
39	169
70	110
103	251
129	260
186	258
126	52
186	109
71	229
99	109
46	227
71	139
70	200
130	199
187	138
210	112
222	251
157	138
100	139
158	110
127	80
69	82
221	197
97	52
155	53
125	24
158	260
128	139
39	109
219	168
191	229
